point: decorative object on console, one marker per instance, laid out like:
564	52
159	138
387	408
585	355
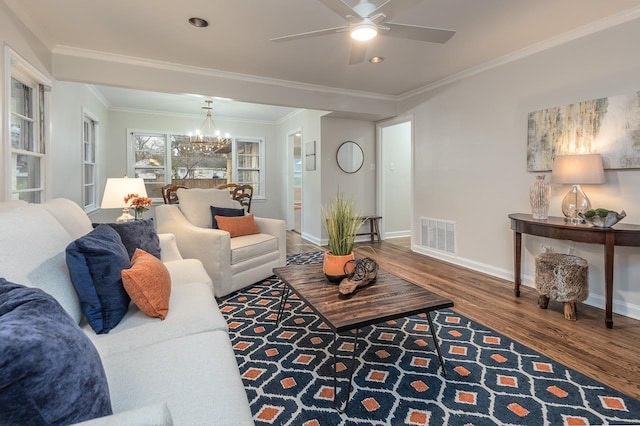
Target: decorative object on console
576	170
115	192
602	218
138	203
341	221
539	197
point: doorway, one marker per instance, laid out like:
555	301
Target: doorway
395	177
295	185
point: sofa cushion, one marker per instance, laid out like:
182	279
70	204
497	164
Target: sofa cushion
50	373
32	244
148	283
147	415
252	246
195	204
192	310
95	263
238	226
137	234
222	211
200	380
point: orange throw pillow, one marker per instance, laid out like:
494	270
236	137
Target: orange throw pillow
238	226
148	283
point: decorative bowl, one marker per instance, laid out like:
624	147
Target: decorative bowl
604	222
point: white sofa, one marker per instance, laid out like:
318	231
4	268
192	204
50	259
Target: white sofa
232	263
181	370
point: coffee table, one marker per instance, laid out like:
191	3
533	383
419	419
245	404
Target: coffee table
390	297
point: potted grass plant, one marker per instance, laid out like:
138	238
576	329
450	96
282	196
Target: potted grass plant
341	221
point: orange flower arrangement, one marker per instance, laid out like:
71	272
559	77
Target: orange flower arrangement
139	204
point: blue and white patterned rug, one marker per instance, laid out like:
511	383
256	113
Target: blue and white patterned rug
491	380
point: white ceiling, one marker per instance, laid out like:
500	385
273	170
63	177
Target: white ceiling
238	39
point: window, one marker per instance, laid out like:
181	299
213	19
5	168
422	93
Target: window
149	160
28	135
90	169
250	164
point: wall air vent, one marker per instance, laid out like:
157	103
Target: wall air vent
437	234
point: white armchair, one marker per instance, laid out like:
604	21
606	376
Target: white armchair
232	263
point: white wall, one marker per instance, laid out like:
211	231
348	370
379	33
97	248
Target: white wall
67	103
470	153
395	170
360	186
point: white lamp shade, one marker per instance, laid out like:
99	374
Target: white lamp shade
583	169
118	188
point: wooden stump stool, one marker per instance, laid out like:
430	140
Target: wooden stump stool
563	278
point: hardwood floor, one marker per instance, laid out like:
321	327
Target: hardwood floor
611	356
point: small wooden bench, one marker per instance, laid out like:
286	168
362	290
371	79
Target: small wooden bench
374	227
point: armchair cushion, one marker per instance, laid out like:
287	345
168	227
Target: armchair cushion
95	262
222	211
148	283
50	373
195	204
238	226
138	234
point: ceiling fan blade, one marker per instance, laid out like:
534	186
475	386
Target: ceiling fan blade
310	34
339	7
357	52
416	32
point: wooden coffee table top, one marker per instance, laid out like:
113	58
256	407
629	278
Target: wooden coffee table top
390	297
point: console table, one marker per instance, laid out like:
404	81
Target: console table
556	228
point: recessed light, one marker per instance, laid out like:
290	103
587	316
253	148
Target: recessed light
199	22
376	59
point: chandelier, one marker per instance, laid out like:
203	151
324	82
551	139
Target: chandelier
208	138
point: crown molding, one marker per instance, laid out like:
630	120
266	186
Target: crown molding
594	27
289	116
169	66
95	92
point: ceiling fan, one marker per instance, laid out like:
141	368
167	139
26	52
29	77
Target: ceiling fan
368	19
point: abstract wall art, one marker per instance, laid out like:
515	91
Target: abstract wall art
607	126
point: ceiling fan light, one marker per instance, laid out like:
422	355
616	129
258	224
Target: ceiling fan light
364	32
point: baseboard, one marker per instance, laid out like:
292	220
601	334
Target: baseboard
312	239
619	307
397	234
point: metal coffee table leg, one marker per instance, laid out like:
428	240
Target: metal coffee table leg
335	372
435	340
284	296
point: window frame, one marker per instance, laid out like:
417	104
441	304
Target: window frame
131	157
19	69
259	194
90	205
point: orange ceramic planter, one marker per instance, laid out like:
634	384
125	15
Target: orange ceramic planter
333	266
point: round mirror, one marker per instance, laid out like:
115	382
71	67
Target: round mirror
350	157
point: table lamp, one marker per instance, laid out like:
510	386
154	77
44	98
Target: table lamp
115	192
576	170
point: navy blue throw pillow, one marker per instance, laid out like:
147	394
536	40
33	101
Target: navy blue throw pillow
50	372
223	211
137	234
95	262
